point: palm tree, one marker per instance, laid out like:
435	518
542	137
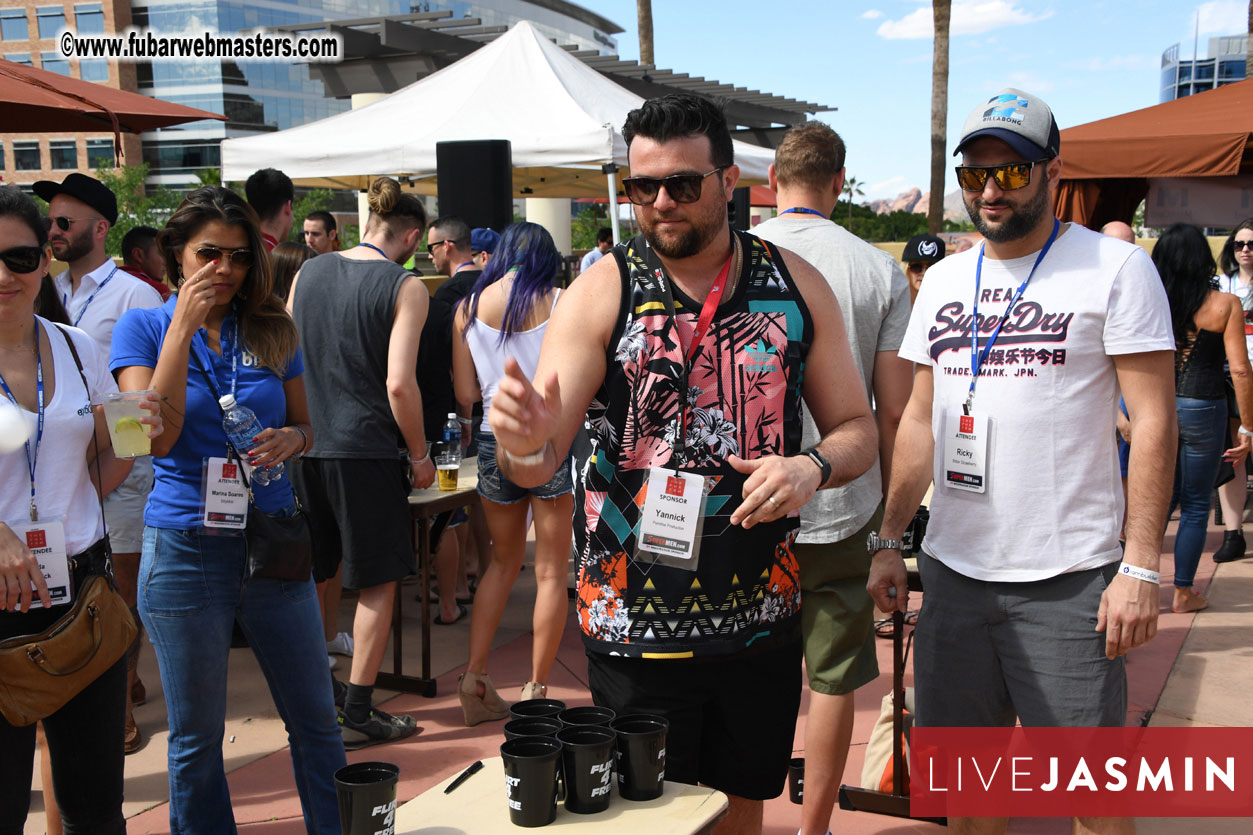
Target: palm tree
852	188
644	16
940	13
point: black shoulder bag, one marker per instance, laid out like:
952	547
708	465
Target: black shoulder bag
276	548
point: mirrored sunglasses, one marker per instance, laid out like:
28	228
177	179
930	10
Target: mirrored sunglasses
1008	177
682	188
239	257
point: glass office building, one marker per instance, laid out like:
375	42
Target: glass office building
1224	64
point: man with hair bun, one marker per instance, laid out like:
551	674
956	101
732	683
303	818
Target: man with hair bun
360	314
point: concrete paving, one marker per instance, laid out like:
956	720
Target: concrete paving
1196	672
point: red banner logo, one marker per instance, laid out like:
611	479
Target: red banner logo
230	470
966	425
1081	772
36	539
674	485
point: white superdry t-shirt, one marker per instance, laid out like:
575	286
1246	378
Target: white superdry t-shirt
1049	387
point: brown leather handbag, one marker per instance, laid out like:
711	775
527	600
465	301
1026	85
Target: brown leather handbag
40	673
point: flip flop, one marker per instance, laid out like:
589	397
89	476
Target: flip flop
464	601
462	611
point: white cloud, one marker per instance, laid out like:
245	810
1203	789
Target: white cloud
969	17
1029	82
1115	63
871	14
1221	17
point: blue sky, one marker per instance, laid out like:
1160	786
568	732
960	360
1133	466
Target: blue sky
871	59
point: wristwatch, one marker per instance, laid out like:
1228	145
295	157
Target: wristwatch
823	464
875	544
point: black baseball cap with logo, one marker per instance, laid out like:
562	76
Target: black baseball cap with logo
924	247
89	190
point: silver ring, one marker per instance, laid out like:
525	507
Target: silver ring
772	501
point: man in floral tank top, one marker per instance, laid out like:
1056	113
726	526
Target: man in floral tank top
688	354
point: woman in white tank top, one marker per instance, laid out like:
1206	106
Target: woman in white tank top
505	316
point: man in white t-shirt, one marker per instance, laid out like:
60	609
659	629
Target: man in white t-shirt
1028	610
837	616
95	293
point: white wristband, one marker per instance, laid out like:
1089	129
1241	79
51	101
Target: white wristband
1245	432
527	460
1138	573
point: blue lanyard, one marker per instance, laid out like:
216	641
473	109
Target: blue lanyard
375	248
32	457
235	351
87	303
804	210
977	358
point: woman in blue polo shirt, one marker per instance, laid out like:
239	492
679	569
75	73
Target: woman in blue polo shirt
226	326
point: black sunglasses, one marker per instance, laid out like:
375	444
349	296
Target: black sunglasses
1009	177
239	257
64	223
1242	244
682	188
22	259
430	247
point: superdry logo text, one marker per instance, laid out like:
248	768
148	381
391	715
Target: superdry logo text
1027	323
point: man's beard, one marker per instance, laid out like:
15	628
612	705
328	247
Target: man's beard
1020	223
74	248
692	241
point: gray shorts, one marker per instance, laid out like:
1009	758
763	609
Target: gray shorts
988	653
124	509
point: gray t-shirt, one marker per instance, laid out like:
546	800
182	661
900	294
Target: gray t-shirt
874	298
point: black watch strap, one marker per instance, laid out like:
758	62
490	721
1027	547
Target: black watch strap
823	464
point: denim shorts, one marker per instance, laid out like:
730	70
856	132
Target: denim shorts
496	488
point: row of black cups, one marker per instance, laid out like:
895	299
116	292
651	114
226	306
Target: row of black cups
551	750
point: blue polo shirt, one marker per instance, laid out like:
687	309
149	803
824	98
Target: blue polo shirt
175	498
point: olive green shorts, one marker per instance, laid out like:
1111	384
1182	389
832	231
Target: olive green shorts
837	613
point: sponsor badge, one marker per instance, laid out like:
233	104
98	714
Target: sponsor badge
671	514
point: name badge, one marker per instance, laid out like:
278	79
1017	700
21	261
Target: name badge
46	540
965	452
225	497
671	514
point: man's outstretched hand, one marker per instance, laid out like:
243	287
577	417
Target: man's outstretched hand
522	418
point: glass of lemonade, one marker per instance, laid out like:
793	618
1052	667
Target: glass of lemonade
122	414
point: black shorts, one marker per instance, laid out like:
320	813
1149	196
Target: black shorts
732	717
358	511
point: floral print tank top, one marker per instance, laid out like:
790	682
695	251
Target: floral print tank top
744	398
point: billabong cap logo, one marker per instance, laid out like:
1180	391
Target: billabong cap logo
1006	109
928	248
674	485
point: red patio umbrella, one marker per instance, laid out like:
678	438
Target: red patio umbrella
38	101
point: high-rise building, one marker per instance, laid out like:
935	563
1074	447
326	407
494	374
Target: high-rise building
1224	64
255	96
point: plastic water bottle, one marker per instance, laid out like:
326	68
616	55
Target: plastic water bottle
448	461
241	427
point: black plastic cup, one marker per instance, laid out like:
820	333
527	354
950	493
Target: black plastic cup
587	715
536	708
367	797
587	760
796	780
641	755
531	779
542	726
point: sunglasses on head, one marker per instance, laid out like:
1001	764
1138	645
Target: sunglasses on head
1242	244
239	257
22	259
682	188
1008	177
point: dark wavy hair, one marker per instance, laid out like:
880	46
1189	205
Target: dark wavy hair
679	115
1227	257
264	325
528	249
15	203
286	260
1186	264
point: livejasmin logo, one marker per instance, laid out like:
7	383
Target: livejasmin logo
1081	772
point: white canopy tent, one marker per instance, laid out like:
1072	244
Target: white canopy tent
561	117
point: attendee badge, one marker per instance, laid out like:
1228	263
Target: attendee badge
46	540
965	452
670	519
225	497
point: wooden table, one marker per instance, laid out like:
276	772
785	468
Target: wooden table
477	807
424	505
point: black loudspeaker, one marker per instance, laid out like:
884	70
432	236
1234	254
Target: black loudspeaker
476	182
739	209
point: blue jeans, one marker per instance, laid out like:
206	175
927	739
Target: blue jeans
1201	432
191	590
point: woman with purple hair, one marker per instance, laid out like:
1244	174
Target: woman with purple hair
504	316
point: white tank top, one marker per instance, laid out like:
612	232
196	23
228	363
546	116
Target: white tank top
1231	284
489	354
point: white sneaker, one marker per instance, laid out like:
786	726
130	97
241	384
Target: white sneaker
341	644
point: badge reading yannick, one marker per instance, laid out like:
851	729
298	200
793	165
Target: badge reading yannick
671	514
